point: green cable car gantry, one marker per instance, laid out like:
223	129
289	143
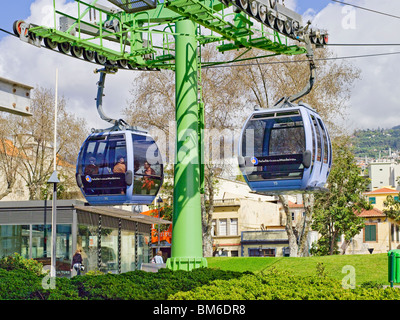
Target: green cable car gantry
155	35
141	40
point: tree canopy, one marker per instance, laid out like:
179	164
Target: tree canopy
335	212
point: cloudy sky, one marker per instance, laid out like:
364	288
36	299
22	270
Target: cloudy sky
375	98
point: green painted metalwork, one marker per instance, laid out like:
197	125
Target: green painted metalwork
165	38
187	231
131	38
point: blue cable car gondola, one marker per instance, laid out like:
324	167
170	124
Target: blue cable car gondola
285	150
118	165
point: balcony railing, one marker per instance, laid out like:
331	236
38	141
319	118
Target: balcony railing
226	202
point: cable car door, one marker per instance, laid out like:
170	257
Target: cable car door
325	165
317	152
147	168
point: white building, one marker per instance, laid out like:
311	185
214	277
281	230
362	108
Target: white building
384	174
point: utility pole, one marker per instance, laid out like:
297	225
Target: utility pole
54	180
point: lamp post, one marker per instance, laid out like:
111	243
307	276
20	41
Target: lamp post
54	180
159	200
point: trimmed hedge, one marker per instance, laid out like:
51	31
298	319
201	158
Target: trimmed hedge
141	285
21	282
284	286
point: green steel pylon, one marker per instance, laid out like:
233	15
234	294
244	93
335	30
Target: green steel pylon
187	243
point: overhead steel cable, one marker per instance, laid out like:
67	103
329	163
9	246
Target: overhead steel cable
366	9
8	32
221	65
362	44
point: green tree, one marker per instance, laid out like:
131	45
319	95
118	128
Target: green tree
335	211
392	211
26	144
392	207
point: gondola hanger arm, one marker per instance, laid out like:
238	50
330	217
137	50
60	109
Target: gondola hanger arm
100	92
307	89
119	124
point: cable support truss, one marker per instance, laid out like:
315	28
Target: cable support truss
136	40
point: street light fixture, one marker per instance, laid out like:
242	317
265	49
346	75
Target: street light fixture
159	201
54	180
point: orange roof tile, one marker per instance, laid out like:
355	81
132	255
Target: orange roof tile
63	163
370	213
382	191
295	205
6	146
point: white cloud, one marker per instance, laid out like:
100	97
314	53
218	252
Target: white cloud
77	81
374	100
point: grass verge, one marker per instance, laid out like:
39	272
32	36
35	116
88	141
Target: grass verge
372	267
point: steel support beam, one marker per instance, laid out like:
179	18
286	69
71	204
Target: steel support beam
15	97
187	242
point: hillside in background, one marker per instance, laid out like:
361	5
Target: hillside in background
376	143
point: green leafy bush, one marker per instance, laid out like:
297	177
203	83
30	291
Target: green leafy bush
275	285
141	285
16	262
371	284
199	284
18	284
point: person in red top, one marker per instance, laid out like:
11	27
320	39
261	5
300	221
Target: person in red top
148	183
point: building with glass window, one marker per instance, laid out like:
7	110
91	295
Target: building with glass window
243	227
111	240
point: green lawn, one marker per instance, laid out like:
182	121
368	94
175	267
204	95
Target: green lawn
371	267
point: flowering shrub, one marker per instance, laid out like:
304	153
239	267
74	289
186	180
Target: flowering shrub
17	262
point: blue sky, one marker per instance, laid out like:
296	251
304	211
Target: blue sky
14	10
317	5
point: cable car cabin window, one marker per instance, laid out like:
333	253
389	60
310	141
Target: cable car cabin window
319	147
104	167
274	147
147	166
287	138
325	137
314	151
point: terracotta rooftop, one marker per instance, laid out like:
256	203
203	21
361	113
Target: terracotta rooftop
295	205
371	213
383	191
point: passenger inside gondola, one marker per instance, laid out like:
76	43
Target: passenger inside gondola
104	168
91	168
148	170
148	181
147	166
127	170
120	166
